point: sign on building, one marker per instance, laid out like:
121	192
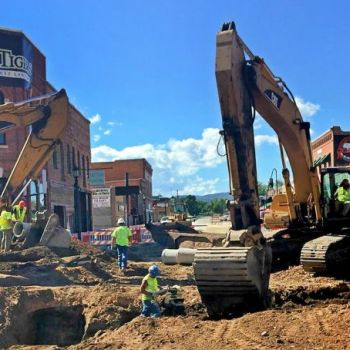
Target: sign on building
342	150
101	198
16	60
97	177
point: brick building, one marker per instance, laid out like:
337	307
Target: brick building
122	188
332	148
55	190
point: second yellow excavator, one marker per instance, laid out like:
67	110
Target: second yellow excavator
236	276
46	118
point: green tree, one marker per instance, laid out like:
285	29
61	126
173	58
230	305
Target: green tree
191	205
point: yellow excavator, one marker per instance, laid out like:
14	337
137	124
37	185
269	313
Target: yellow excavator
46	118
236	276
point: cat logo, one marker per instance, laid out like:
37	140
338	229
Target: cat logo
274	98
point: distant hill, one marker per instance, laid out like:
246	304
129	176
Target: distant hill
210	197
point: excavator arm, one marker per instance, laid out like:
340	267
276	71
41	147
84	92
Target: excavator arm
46	117
244	83
237	275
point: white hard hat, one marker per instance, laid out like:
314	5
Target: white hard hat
120	221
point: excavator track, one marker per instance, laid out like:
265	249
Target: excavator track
327	254
232	279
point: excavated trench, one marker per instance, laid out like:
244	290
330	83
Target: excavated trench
60	326
40	317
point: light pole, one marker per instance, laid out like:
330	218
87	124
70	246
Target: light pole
77	216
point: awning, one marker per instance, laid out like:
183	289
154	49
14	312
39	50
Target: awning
322	159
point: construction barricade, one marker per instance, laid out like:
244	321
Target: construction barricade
103	237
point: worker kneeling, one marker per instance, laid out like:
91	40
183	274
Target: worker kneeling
150	290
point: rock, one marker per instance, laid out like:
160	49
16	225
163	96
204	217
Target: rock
264	333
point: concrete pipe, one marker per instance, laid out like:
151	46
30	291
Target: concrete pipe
21	229
185	256
169	256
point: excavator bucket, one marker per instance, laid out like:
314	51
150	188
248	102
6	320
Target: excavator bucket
233	279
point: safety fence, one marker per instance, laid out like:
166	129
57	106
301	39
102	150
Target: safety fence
103	237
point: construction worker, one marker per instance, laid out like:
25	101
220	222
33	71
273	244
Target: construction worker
121	237
19	212
343	196
149	290
5	225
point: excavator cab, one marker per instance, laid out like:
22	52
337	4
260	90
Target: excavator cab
332	208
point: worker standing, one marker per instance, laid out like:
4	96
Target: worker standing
5	225
19	212
149	290
343	196
121	237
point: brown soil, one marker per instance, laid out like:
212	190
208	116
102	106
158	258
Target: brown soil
91	305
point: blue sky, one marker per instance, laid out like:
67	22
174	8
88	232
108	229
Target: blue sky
144	72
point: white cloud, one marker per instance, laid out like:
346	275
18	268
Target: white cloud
96	138
174	162
180	157
115	123
100	128
198	186
107	132
95	119
307	109
270	139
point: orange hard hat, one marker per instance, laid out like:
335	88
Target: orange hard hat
22	204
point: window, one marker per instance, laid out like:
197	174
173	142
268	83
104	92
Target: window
73	157
88	167
54	159
3	139
62	160
2	136
84	171
79	165
69	162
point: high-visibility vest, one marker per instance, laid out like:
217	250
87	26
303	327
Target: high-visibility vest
152	286
19	214
5	220
343	195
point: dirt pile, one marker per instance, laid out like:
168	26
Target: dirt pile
79	300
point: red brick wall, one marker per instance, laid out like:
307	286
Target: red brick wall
136	168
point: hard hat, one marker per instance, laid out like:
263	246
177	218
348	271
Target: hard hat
120	221
22	204
154	271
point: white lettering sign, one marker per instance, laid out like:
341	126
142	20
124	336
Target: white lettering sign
14	66
101	198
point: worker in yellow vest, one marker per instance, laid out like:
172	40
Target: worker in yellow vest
343	196
149	291
5	225
121	238
19	212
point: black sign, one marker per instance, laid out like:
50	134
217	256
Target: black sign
123	191
274	98
16	60
342	150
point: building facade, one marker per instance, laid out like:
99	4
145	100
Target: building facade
63	186
122	188
332	148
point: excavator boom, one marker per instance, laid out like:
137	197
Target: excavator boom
46	117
